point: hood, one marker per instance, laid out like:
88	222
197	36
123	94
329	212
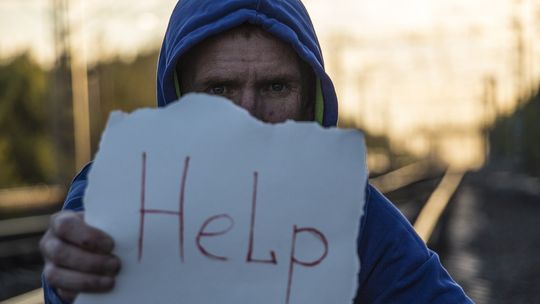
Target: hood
192	21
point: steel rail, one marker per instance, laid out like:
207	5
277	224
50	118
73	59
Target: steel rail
433	209
405	176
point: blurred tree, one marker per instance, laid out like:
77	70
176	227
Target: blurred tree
379	144
515	138
25	150
121	85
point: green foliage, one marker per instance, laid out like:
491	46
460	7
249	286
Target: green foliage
25	151
532	134
516	138
122	86
380	144
28	153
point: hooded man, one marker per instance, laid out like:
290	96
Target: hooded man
264	56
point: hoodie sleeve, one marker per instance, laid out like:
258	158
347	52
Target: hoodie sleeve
396	265
73	202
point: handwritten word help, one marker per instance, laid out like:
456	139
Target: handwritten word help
204	233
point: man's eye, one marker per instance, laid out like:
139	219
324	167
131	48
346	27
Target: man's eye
218	90
277	87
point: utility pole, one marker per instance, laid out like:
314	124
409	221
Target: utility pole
70	84
519	67
490	112
517	26
79	85
535	28
60	109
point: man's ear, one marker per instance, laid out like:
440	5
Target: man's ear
181	77
309	95
184	71
177	84
309	89
309	113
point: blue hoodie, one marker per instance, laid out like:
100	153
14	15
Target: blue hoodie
396	266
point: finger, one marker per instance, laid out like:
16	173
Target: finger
75	281
44	239
66	295
70	227
72	257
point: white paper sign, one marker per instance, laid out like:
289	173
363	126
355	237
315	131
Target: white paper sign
209	205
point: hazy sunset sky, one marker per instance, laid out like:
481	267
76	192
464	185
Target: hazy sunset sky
126	26
407	69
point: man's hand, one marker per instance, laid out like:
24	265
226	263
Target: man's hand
77	256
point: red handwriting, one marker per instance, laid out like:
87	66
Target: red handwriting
202	233
142	210
180	213
181	208
249	257
205	233
294	260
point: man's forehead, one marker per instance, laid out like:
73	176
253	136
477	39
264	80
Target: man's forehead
245	32
241	40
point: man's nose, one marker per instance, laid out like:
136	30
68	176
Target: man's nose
248	99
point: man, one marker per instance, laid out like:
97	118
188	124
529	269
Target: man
264	56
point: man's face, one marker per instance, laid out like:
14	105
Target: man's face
258	72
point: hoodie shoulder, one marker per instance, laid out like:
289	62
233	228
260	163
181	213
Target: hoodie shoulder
396	265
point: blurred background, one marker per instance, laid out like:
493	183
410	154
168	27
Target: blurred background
446	91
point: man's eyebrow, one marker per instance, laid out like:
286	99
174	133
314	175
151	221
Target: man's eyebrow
217	79
229	79
280	76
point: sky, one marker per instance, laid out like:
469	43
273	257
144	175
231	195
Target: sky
109	27
126	26
392	61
